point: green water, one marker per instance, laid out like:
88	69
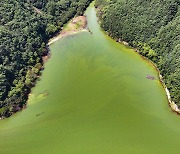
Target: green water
93	98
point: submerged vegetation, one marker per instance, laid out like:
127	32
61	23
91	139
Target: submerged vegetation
153	28
25	28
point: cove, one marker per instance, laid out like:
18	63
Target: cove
93	97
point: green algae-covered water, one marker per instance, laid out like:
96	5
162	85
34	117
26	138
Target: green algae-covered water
93	98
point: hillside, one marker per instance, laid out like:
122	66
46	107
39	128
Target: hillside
152	27
25	28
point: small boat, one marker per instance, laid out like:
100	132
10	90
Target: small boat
150	77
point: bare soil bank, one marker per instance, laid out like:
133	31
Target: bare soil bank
75	25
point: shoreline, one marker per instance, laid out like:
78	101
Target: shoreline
60	36
63	33
171	104
75	25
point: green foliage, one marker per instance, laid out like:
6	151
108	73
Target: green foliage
151	26
25	27
50	29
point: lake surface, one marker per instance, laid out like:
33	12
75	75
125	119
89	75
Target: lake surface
93	98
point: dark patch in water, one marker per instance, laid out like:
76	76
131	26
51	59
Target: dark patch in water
39	114
150	77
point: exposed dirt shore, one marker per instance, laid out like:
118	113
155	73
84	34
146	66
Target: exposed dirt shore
77	24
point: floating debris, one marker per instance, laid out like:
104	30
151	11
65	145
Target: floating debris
89	30
40	114
43	94
150	77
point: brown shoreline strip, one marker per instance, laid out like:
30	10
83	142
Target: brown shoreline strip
76	25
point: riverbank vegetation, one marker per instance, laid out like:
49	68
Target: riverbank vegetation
153	28
25	28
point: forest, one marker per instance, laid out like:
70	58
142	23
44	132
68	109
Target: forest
150	26
25	28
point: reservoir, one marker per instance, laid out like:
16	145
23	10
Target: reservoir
93	98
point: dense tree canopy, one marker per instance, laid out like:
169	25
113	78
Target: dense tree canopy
25	27
151	26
